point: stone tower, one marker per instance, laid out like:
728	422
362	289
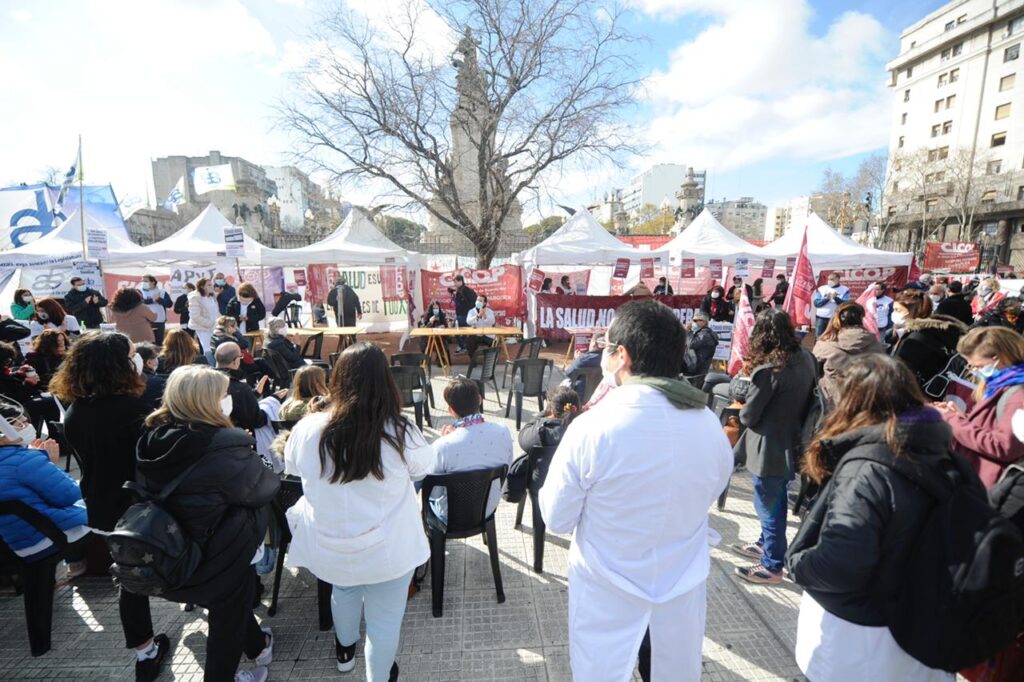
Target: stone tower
472	115
690	204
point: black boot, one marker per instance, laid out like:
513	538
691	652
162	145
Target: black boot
393	677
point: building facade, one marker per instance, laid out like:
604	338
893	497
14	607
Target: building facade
744	217
656	185
301	201
150	225
956	150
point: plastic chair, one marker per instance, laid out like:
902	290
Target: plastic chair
422	361
38	577
538	460
292	315
590	376
411	387
281	375
528	348
287	495
488	362
531	384
467	493
55	430
313	347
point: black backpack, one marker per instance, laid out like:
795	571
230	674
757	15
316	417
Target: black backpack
152	553
962	599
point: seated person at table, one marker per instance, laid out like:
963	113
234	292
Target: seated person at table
276	340
468	444
434	317
563	405
587	359
309	382
480	316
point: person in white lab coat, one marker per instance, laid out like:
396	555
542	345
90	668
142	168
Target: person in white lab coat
633	479
480	316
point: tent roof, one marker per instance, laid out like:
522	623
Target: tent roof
64	245
583	241
200	240
828	249
705	237
357	241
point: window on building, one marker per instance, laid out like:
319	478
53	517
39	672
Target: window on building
947	127
961	19
892	211
906	95
989	196
895	185
935	177
935	130
999	139
950	25
954	75
1007	82
1020	193
958	49
1011	53
930	205
910	72
994	167
945	55
943	79
943	153
898	165
899	145
938	105
1003	111
1015	26
938	154
903	119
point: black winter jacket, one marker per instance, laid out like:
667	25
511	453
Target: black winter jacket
927	344
543	430
245	407
703	342
853	546
254	314
89	314
956	306
223	503
291	353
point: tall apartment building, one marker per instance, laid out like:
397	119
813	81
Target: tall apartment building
656	185
297	194
744	217
957	86
781	219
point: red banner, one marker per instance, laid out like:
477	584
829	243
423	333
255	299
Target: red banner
952	256
557	313
790	264
319	277
742	326
768	268
502	285
800	296
688	269
392	283
300	277
536	280
646	267
621	268
716	269
859	279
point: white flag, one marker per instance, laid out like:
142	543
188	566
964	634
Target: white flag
130	204
74	173
177	196
208	178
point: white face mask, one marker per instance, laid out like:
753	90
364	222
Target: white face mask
138	362
898	318
606	370
936	299
20	436
26	299
715	294
226	405
146	286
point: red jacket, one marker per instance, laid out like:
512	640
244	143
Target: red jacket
987	442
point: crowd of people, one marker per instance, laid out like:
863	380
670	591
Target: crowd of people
189	409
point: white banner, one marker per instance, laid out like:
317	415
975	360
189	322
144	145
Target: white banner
25	215
56	280
209	178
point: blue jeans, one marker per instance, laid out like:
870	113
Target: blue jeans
770	504
820	323
385	608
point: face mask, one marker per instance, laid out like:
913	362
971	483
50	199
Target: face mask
694	327
607	371
984	291
936	299
244	301
898	318
833	284
225	405
219	282
986	373
82	288
715	294
437	311
146	286
26	299
139	364
479	305
42	316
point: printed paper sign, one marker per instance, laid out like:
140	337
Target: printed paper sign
621	268
768	269
742	267
234	242
716	269
96	241
300	277
536	280
646	267
688	269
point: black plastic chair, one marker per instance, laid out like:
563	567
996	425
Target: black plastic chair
538	460
531	384
281	372
467	493
313	347
292	315
280	425
590	378
38	577
332	359
487	360
411	387
55	430
422	361
287	495
528	348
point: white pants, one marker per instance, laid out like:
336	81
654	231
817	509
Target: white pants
606	626
205	338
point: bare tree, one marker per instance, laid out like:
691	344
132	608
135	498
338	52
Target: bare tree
53	175
874	179
964	176
536	83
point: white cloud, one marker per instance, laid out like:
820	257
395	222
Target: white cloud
757	84
21	15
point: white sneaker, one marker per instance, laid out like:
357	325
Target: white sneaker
267	655
254	675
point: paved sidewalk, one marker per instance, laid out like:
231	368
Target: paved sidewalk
750	633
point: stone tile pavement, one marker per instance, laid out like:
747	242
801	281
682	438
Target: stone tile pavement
750	632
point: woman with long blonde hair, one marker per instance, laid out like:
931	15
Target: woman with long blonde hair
986	297
853	548
179	349
984	434
223	500
308	383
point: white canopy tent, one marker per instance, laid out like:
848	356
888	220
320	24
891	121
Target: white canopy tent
829	250
706	238
583	241
202	240
356	242
64	245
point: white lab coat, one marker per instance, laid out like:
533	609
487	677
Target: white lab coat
633	479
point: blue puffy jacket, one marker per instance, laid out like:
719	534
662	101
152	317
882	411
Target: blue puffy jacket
29	476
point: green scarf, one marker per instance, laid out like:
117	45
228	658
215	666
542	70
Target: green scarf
681	394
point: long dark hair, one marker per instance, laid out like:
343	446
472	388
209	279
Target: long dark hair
847	315
364	403
876	389
564	404
97	365
772	340
55	311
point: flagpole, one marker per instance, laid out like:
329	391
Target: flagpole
81	200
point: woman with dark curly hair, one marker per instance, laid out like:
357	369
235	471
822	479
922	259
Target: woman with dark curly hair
47	354
103	424
133	318
781	376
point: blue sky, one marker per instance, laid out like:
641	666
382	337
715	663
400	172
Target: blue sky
764	94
